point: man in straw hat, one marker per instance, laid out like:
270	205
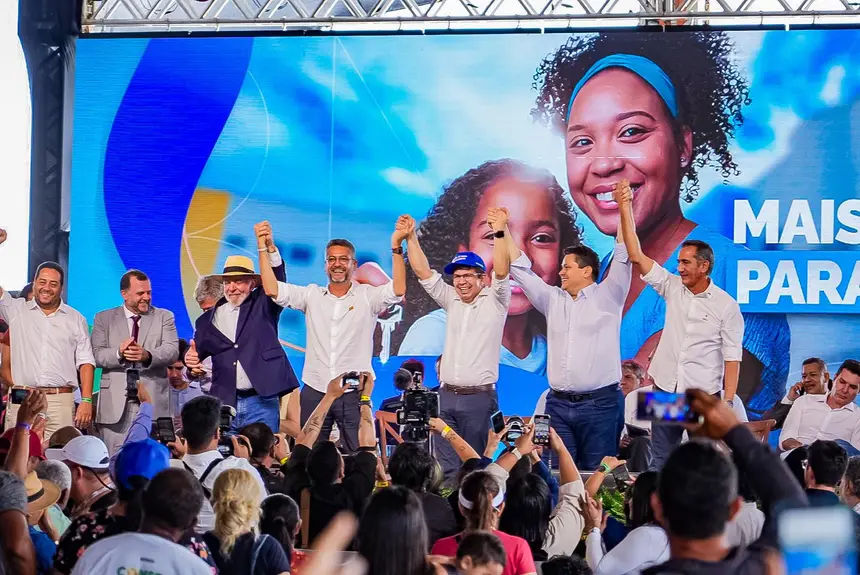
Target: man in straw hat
340	318
250	370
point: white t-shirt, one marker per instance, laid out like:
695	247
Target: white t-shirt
139	553
198	464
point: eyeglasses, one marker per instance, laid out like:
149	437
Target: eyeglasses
343	260
465	277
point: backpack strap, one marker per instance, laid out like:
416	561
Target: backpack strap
206	473
305	508
255	551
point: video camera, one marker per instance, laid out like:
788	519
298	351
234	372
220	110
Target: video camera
225	444
418	405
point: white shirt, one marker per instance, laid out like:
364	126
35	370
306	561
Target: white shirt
46	349
129	553
583	334
198	464
473	331
810	418
227	320
746	526
701	332
339	329
631	408
643	547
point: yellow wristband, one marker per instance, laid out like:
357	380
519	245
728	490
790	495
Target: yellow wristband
382	484
446	430
285	459
364	398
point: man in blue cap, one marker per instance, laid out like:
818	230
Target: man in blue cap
475	307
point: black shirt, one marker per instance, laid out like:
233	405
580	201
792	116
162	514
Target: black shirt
439	517
271	559
329	500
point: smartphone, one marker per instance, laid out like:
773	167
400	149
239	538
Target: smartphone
541	435
16	396
665	406
165	430
818	540
497	422
352	380
132	377
621	474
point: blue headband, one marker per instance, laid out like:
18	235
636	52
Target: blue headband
642	67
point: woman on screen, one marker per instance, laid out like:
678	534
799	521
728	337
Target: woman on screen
541	220
654	109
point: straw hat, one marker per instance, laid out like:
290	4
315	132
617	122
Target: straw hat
41	494
237	266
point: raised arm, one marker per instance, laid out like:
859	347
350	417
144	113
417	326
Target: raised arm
263	231
464	451
366	429
404	226
417	259
311	431
624	198
497	218
538	292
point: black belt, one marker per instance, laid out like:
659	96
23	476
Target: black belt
245	393
577	397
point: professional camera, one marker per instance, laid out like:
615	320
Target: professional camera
516	428
418	405
225	444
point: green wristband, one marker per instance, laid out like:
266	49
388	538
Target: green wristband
604	467
87	399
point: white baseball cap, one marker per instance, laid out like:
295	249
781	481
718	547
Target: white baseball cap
86	451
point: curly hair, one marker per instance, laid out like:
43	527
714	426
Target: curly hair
447	225
711	90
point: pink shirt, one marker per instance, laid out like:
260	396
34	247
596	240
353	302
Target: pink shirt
519	561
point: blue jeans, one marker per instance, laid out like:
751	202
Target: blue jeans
256	409
589	424
852	451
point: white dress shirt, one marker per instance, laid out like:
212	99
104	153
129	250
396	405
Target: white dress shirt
701	332
643	547
198	464
227	320
746	526
473	331
339	329
583	334
47	350
810	418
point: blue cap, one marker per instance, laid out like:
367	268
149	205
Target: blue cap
140	458
466	260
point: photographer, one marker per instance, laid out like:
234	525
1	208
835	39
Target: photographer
198	452
268	452
315	475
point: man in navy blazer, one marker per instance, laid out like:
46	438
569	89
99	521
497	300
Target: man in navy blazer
250	370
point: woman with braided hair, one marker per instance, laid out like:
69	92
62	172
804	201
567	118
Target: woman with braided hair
655	109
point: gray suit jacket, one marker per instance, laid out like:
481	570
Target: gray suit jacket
157	335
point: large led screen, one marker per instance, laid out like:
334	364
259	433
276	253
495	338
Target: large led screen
182	144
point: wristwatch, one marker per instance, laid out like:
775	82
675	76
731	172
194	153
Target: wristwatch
499	234
398	250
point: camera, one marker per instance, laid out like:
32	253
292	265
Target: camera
225	444
516	428
132	377
405	379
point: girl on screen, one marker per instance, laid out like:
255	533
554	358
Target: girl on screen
541	220
686	114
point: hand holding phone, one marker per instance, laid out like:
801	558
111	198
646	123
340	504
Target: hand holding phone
16	396
541	424
352	380
165	430
497	422
664	406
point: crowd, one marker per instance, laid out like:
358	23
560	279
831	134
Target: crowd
207	456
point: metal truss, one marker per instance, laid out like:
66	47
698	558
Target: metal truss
157	16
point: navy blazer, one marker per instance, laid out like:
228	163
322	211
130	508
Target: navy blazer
256	346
